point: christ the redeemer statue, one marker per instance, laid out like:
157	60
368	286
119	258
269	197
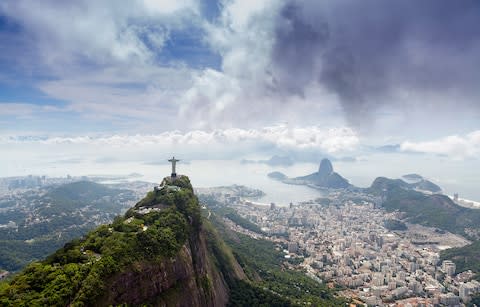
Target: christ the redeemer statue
174	162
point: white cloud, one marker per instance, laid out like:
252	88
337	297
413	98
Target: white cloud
57	154
454	146
243	37
125	82
243	93
125	91
103	59
169	7
333	140
25	110
100	31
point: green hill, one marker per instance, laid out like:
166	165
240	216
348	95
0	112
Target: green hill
154	257
81	191
162	252
430	210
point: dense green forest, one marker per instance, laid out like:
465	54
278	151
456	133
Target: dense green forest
76	273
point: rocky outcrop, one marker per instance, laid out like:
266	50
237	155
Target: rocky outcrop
325	177
325	169
188	279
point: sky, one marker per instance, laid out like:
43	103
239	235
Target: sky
229	79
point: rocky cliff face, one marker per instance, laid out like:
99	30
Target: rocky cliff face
161	253
188	279
325	168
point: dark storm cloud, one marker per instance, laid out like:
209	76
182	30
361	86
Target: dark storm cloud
365	51
296	48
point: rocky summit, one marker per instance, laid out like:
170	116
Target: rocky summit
325	177
325	168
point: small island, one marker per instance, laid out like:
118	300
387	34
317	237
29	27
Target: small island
277	176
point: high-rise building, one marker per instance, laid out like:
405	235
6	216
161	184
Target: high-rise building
448	267
464	292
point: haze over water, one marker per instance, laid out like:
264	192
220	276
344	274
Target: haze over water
211	173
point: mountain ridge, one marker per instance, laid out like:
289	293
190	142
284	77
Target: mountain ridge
160	257
434	210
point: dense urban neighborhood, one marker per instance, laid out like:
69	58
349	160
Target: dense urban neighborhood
347	240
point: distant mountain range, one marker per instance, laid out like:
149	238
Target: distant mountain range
417	197
326	177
